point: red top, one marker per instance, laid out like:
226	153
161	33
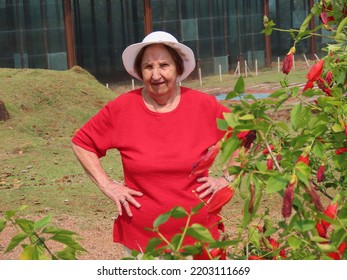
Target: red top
158	151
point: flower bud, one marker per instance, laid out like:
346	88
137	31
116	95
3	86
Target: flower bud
287	63
304	158
288	197
320	173
340	151
266	150
270	164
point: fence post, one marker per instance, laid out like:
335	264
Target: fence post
256	67
220	72
200	78
278	64
133	84
308	64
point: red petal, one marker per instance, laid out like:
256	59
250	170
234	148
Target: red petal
316	71
330	211
206	161
266	150
340	151
219	199
253	257
308	85
304	159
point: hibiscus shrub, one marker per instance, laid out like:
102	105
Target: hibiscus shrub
303	161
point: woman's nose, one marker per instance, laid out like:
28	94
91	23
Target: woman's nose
156	74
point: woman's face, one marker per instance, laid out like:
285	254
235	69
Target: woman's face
159	71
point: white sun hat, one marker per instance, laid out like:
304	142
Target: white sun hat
159	37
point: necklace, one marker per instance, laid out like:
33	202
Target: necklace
154	106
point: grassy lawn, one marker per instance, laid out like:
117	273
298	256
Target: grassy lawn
37	166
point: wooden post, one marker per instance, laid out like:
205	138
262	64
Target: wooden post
4	115
148	16
69	34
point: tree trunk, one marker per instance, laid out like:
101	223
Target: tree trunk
4	115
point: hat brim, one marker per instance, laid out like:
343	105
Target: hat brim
130	53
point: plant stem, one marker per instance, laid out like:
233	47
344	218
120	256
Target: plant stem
40	240
270	152
184	231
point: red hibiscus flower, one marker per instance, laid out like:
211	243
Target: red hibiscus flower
314	74
206	161
219	199
304	158
247	137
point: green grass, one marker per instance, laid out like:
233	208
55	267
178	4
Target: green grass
37	166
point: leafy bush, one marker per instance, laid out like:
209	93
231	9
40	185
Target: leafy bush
34	237
303	160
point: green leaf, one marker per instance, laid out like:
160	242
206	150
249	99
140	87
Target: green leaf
2	225
318	150
9	214
229	146
240	85
300	116
338	127
68	241
30	252
231	95
176	241
56	230
176	212
42	223
254	237
200	233
304	226
282	125
15	241
341	26
326	248
161	219
278	93
67	254
294	242
197	208
26	225
247	117
303	172
153	243
276	183
222	124
231	119
319	239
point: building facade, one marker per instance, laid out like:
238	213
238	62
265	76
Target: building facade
57	34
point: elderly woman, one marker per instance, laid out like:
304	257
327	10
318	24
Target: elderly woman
160	130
